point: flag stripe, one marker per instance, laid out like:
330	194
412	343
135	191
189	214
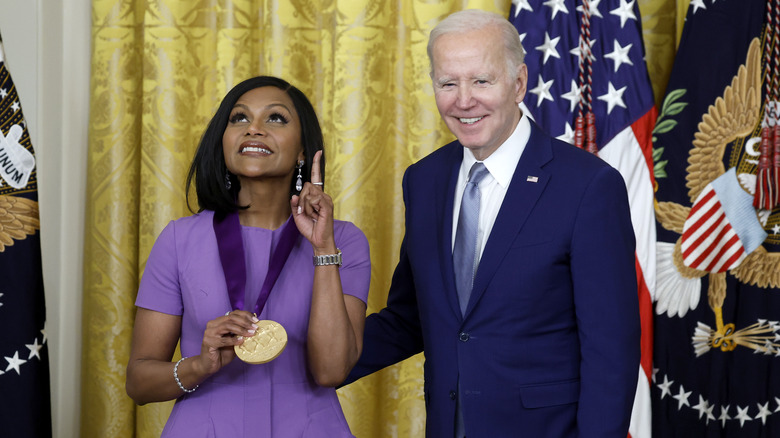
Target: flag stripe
715	245
699	217
702	239
704	199
730	252
701	231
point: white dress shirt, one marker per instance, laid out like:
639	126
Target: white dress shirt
501	166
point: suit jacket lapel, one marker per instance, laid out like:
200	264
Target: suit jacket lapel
521	196
444	206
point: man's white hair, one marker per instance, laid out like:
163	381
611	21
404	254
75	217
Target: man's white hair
476	19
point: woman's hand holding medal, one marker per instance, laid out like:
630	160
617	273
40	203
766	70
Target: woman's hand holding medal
221	337
313	212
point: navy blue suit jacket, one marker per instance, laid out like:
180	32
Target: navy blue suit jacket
549	344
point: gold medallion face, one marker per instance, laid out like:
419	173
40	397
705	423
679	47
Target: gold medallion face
265	345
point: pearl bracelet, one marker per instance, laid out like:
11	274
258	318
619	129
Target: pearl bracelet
176	376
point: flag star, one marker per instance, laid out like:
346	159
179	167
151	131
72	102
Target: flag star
542	90
578	53
573	96
1	295
701	406
522	38
776	229
664	387
704	408
3	93
568	135
742	415
624	11
655	371
35	349
696	4
682	398
777	400
556	6
724	415
521	5
549	47
619	55
763	412
14	362
15	106
44	332
594	8
613	97
710	415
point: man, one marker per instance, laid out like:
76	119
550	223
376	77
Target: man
531	328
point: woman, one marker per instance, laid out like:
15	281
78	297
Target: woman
216	278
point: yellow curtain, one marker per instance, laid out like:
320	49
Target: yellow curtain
662	23
159	70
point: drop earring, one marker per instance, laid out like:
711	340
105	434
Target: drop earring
299	181
228	184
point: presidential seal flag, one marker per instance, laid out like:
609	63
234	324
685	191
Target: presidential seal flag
588	85
25	403
717	314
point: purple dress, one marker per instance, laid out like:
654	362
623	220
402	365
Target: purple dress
183	276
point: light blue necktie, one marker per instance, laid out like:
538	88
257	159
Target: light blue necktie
464	254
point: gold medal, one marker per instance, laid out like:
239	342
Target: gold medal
265	345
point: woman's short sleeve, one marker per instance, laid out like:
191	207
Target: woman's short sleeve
356	260
160	289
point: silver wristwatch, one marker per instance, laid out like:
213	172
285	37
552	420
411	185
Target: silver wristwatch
328	259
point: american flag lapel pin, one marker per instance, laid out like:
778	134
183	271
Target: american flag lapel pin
532	179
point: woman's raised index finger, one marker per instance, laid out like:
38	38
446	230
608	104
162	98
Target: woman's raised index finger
316	174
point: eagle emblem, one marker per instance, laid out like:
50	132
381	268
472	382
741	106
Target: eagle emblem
719	234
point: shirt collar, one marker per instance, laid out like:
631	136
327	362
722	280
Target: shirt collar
502	163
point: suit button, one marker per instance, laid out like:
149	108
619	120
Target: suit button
452	395
464	336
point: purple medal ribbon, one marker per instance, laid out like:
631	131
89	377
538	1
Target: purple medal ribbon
231	254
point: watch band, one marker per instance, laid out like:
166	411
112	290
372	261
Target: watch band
328	259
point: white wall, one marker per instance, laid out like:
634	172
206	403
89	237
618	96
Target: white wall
47	48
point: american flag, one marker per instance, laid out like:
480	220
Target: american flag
25	406
624	109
